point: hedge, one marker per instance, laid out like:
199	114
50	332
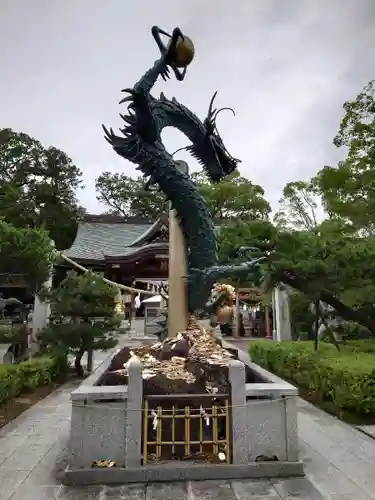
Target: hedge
346	378
26	376
367	345
7	334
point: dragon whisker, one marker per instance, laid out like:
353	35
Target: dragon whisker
223	109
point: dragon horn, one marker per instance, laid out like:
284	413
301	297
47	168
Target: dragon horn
210	112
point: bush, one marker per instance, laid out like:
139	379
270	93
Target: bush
353	331
6	334
26	376
346	378
367	345
83	317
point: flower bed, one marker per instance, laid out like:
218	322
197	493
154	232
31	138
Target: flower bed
345	378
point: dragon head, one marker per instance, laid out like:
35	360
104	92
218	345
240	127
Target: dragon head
211	151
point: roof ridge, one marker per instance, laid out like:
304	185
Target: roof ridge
119	219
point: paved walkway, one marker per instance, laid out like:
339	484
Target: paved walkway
33	454
3	350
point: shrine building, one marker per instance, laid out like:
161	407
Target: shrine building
128	250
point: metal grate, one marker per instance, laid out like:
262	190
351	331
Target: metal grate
187	427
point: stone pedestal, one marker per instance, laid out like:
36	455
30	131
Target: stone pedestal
40	316
108	424
282	314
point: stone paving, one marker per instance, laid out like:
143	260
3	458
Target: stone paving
3	350
33	454
367	429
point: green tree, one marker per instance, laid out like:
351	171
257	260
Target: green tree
298	207
83	317
348	190
332	264
38	187
301	316
234	197
26	251
238	233
123	195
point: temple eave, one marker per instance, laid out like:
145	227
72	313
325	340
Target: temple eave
137	255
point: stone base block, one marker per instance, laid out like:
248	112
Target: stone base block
182	472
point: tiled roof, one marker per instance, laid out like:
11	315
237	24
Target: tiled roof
94	240
100	236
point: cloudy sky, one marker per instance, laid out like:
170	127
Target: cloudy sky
286	66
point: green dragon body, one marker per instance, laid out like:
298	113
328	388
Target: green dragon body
141	144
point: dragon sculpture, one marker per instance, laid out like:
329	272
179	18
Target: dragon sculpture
141	144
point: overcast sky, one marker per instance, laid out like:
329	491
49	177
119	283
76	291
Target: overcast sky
286	66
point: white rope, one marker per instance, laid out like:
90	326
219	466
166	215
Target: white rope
250	402
118	285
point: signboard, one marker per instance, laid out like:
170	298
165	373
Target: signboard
253	294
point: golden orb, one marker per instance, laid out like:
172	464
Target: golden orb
184	52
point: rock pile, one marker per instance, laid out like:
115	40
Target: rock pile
192	363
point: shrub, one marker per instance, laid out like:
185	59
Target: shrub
367	345
26	376
353	331
6	334
84	317
346	378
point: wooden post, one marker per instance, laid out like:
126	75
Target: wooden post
237	328
273	314
268	324
177	287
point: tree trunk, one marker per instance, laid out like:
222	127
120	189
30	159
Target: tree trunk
77	362
90	359
328	329
316	324
346	312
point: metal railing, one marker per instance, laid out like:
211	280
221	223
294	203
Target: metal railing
187	427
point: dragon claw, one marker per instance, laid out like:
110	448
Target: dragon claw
129	91
177	33
126	99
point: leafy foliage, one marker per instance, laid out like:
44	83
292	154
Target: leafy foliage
298	207
301	316
26	251
348	190
346	380
38	187
236	196
83	314
332	263
123	195
26	376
